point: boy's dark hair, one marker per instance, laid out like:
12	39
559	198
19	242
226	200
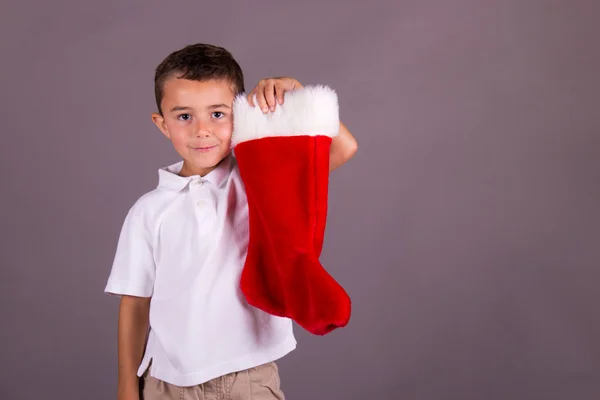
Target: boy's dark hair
199	62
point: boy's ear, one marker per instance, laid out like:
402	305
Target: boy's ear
159	121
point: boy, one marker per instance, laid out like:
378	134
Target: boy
184	325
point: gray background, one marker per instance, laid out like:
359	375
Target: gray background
466	229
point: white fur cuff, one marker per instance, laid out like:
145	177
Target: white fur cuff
308	111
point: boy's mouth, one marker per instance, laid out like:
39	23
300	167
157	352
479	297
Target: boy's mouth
204	148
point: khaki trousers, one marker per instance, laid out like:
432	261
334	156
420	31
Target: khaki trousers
260	383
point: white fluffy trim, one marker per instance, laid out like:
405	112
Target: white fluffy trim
307	111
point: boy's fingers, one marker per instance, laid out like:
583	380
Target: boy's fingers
279	92
270	95
251	98
260	98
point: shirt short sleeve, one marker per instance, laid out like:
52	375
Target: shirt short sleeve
133	268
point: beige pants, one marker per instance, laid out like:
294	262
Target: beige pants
260	383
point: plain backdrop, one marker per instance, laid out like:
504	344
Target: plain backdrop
466	229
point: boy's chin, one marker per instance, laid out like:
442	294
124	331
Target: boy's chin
206	162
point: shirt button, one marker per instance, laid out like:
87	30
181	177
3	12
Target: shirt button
201	203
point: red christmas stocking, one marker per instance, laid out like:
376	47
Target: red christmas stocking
283	158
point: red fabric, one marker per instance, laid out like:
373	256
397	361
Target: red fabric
286	181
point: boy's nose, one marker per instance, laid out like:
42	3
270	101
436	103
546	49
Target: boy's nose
202	129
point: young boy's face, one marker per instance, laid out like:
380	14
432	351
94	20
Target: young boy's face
197	118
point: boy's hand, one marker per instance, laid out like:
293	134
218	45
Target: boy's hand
269	92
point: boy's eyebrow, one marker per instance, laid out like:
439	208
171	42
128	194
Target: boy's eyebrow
180	108
218	106
212	107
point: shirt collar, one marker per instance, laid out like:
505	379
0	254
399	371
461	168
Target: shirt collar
169	179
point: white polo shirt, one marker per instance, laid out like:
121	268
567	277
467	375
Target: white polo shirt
184	244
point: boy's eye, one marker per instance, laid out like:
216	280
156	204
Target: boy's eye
184	117
218	114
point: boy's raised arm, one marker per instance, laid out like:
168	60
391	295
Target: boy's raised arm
343	148
132	331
